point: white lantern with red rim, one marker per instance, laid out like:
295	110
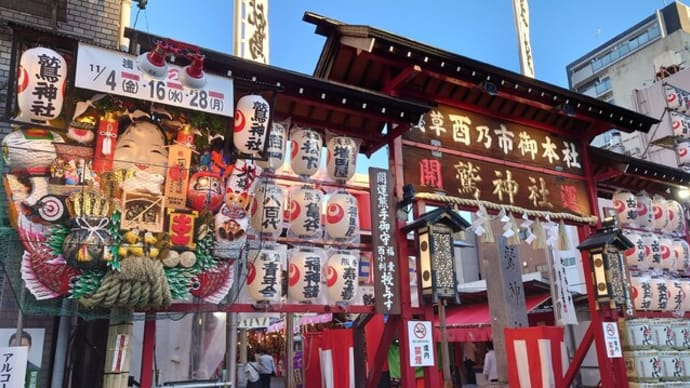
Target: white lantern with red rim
275	149
40	85
652	251
267	209
667	254
264	274
341	277
634	256
683	151
636	287
645	216
304	274
675	216
660	211
305	213
251	124
341	161
342	217
625	204
681	249
305	152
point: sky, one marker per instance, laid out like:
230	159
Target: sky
561	30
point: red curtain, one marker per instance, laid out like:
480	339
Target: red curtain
312	364
339	342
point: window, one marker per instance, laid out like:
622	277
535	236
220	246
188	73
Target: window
36	8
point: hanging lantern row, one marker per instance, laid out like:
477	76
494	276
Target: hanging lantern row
650	213
660	294
305	218
311	273
657	251
305	155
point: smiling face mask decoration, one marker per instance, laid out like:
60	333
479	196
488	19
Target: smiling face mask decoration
141	148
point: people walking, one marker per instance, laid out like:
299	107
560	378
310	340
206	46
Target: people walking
490	371
266	367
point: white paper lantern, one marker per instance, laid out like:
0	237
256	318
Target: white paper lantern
341	277
267	209
652	250
305	213
342	216
30	150
634	256
275	149
264	275
641	292
686	304
251	123
676	295
341	162
682	251
660	211
645	216
683	151
667	254
40	85
625	204
675	216
304	275
305	152
661	294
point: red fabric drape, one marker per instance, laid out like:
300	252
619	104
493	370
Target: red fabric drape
373	332
312	364
339	342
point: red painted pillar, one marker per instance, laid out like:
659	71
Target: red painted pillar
407	373
148	347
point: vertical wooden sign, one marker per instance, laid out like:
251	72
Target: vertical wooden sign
384	242
179	160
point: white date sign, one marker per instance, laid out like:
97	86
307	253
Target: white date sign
115	72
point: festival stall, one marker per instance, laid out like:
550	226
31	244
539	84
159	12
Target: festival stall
151	182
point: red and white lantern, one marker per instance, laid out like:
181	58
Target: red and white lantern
341	277
40	85
645	216
625	204
342	217
661	294
686	307
683	151
660	211
304	275
641	292
676	295
264	274
652	251
681	249
251	124
667	254
305	152
675	216
275	149
305	213
267	209
341	162
239	187
634	256
206	191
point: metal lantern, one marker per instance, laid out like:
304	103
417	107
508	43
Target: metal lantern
341	277
666	253
681	249
305	212
675	216
264	274
342	216
645	216
40	85
341	161
251	124
304	274
625	204
660	210
305	152
636	254
605	248
275	149
267	209
436	258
